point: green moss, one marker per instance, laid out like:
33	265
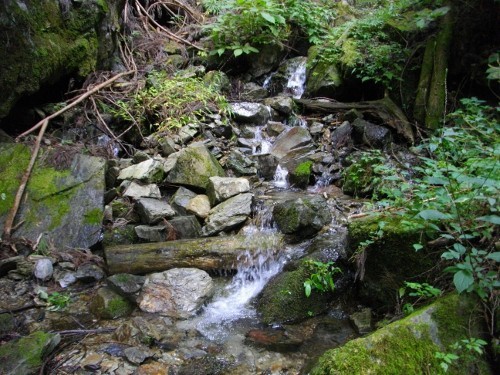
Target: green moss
118	307
299	177
395	351
284	300
26	353
391	259
93	217
43	189
304	168
408	346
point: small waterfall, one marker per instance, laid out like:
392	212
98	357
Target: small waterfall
323	181
259	144
296	78
253	272
281	177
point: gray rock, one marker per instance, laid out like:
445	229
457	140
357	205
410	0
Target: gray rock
119	235
372	135
302	217
181	199
168	146
221	188
316	128
342	136
149	171
281	103
291	139
266	60
199	205
188	132
228	214
218	80
126	285
136	190
152	210
156	233
43	269
140	156
267	165
252	92
194	166
177	293
186	227
240	164
275	128
66	279
137	355
248	112
107	304
362	321
88	273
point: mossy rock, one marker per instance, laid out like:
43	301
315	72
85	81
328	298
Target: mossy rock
323	78
65	203
110	305
390	260
408	346
46	42
283	300
299	177
25	355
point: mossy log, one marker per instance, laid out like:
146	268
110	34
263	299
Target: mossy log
208	254
385	109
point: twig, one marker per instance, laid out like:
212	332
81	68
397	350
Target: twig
43	124
84	331
74	102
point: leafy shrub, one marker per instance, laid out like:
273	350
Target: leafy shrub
321	278
456	193
170	102
248	25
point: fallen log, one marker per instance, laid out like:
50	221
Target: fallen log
385	109
208	254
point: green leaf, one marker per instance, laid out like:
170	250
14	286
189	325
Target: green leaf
463	279
433	215
417	246
494	256
493	219
268	17
307	288
238	52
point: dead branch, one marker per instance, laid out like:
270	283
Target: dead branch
43	124
170	34
75	101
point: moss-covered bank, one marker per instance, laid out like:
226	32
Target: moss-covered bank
408	346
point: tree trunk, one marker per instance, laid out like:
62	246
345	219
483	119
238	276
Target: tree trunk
430	103
209	254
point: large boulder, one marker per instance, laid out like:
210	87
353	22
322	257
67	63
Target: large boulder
302	217
409	346
228	214
323	78
248	112
292	139
178	293
65	203
194	166
390	255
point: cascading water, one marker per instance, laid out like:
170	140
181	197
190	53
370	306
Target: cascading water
296	78
281	178
259	144
254	270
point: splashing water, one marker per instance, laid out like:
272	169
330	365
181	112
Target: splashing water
233	303
297	79
259	144
281	177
